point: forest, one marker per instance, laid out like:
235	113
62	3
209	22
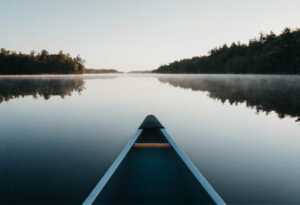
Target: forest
268	54
39	63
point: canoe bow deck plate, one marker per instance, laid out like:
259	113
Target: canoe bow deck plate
151	169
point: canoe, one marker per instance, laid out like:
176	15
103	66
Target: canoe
151	169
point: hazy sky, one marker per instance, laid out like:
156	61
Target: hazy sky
138	34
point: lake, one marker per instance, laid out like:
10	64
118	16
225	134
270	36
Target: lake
59	134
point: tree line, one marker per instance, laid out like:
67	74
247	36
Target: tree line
268	54
39	63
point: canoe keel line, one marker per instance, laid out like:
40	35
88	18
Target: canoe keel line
152	169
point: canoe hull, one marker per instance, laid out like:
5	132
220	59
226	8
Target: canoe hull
153	174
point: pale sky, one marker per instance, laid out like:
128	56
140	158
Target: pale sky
138	34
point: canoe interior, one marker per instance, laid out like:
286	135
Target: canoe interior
153	176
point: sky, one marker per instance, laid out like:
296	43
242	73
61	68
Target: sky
138	34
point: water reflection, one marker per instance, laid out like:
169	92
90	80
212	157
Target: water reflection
12	87
263	93
56	151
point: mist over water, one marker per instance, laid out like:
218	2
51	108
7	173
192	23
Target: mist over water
59	134
266	93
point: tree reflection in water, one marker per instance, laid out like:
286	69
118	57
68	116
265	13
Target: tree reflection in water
11	88
261	92
45	86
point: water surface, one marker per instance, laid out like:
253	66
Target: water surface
59	134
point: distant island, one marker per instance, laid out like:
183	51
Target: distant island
269	54
99	71
39	63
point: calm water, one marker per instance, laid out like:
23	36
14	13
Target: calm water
58	135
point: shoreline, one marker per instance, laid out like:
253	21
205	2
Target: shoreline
138	74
